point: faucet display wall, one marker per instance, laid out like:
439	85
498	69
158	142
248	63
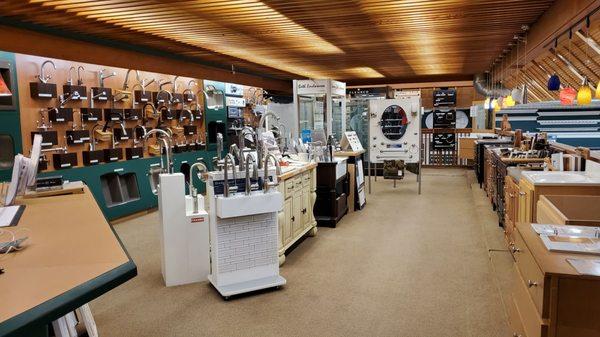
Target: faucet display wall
244	228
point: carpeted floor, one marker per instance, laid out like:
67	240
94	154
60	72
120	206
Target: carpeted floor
407	265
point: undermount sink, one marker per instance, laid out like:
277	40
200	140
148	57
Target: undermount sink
240	204
560	178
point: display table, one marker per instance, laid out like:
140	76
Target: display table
72	257
356	187
297	218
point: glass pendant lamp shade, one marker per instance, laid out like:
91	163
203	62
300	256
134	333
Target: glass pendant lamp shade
567	96
584	94
4	90
554	83
509	101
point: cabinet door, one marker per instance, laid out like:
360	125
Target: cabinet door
287	224
525	203
297	213
306	207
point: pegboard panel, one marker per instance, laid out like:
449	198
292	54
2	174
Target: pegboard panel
28	67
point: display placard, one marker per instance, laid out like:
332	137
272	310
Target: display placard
350	141
444	97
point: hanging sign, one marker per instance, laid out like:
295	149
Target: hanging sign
444	97
306	87
338	88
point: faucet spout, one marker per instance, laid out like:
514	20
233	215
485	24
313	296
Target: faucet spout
226	187
249	186
266	183
42	76
165	141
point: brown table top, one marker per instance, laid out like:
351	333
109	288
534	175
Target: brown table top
70	243
348	153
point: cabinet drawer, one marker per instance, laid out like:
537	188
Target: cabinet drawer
532	322
533	278
306	179
298	182
289	188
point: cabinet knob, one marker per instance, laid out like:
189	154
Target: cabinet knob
531	284
293	218
522	193
516	250
304	211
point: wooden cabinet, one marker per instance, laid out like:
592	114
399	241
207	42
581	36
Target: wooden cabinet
511	202
578	210
296	219
530	194
549	298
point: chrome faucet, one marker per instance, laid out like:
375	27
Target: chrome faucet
101	93
266	183
260	150
135	134
63	99
174	87
218	160
201	166
70	79
236	153
226	187
249	186
79	76
154	111
102	77
166	143
169	94
263	119
189	112
42	76
125	83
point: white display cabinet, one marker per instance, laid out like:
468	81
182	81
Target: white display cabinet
318	105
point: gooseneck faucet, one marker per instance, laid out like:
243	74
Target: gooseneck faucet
260	150
235	151
263	119
42	76
165	141
249	186
266	183
201	166
125	83
79	76
226	187
169	94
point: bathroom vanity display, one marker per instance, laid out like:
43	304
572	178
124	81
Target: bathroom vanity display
549	297
296	219
332	192
244	229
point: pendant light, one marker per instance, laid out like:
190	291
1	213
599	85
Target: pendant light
554	80
4	90
584	94
568	94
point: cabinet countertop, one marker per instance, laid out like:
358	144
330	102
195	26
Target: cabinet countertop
296	171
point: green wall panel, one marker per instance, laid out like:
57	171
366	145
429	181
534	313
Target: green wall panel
9	119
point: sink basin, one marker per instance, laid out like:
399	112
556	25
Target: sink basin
257	202
552	178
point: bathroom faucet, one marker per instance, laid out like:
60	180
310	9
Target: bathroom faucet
249	186
266	182
63	99
165	141
189	112
174	87
263	119
102	77
135	134
169	94
226	187
201	166
70	79
42	76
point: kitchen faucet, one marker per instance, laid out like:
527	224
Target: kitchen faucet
201	166
125	83
226	187
249	186
165	141
102	77
218	160
266	183
235	151
42	76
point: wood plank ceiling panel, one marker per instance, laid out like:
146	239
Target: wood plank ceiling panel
347	40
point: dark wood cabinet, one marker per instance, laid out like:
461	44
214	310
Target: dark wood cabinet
332	194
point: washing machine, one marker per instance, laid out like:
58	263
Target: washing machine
394	128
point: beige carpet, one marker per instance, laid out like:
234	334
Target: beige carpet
407	265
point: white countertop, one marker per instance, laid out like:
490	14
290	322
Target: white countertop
557	178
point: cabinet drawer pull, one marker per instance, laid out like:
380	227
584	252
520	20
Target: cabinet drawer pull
293	218
304	211
522	193
531	284
516	250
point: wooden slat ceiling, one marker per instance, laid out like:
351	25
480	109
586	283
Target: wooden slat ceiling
584	58
347	40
